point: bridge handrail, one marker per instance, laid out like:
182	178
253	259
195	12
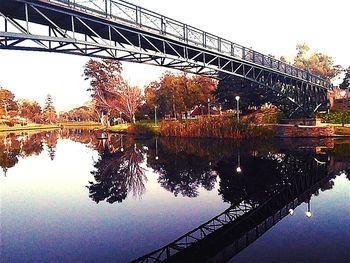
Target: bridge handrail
145	18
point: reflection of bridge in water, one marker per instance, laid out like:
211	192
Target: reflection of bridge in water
227	234
116	29
274	179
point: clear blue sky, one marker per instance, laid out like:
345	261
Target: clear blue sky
269	26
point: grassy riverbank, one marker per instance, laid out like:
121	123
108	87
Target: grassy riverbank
82	125
140	128
33	127
37	127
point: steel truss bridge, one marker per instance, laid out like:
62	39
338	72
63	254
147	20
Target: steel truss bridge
236	228
116	29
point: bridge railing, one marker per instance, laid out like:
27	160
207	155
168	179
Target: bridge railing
141	17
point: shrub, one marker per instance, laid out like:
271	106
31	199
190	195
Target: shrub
335	116
273	117
143	129
213	127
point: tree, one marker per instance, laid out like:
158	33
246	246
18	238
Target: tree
8	106
317	63
346	81
174	94
110	91
129	101
252	95
83	113
117	174
49	111
29	110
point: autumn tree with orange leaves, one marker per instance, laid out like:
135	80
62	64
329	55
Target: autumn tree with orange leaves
30	110
317	63
174	94
8	105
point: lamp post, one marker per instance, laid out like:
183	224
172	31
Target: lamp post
120	117
208	107
342	94
238	169
157	157
121	143
237	99
308	212
155	115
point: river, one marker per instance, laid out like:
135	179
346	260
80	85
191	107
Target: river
88	196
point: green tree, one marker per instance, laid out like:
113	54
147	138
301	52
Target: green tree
346	81
251	95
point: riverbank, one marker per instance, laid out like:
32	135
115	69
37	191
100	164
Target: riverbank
218	127
82	125
35	127
304	131
205	128
38	127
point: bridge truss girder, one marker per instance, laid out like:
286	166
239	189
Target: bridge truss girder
39	26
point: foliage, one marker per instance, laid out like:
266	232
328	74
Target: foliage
30	110
8	106
317	63
218	127
346	82
174	94
143	129
110	92
49	111
335	116
80	114
116	174
273	117
254	96
251	95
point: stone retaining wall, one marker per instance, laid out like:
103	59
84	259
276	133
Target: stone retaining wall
304	131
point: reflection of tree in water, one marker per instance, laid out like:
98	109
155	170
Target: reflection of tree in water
8	158
117	174
32	145
181	170
50	141
264	175
254	182
14	145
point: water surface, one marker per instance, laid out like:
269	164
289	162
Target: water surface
87	196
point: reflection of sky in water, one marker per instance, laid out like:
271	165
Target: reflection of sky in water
47	214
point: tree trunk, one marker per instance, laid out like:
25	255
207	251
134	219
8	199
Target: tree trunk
107	120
